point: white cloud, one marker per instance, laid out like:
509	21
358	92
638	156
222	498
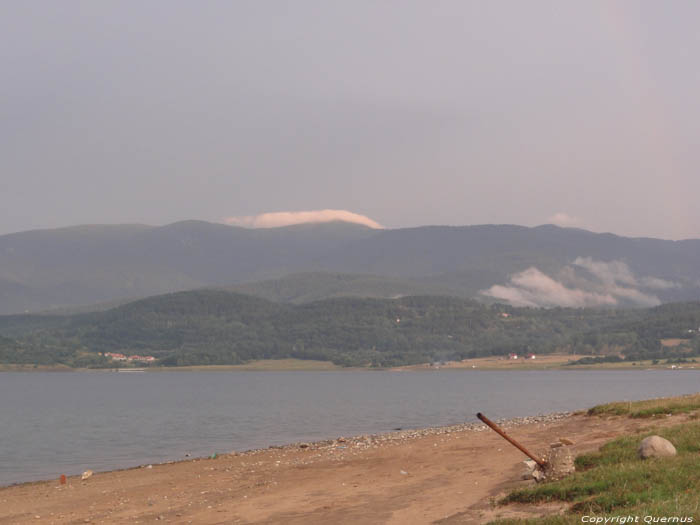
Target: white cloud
564	220
534	288
606	284
619	272
608	272
658	284
288	218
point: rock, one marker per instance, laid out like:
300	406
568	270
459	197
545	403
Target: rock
86	475
560	463
529	470
303	445
655	447
537	475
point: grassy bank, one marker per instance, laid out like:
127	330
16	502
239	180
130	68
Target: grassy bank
614	482
35	368
260	365
542	362
649	408
557	361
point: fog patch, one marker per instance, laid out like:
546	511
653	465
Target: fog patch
607	272
585	282
655	283
534	288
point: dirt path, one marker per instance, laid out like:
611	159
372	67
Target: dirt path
443	477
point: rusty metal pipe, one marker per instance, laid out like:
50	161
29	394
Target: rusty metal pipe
505	436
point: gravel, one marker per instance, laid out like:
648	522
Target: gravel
398	437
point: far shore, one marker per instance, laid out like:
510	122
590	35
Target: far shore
541	362
544	362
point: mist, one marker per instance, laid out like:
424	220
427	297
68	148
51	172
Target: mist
583	283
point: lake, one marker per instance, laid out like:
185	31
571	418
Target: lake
55	423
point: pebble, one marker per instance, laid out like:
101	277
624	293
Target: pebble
363	442
353	446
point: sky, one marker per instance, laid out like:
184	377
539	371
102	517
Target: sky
407	113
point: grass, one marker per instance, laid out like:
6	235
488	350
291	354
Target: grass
648	408
542	362
615	482
556	361
35	368
261	365
646	364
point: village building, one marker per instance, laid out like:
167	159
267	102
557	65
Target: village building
115	356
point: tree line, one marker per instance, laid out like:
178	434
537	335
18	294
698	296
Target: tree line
220	327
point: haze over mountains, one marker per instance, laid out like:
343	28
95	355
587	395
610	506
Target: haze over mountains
542	266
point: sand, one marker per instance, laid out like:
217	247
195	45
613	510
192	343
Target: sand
448	475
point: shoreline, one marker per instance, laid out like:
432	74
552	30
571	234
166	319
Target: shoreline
359	441
433	474
332	368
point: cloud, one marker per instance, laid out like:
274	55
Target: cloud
658	284
534	288
288	218
619	272
564	220
603	283
608	272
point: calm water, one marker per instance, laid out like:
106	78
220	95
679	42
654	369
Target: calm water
53	423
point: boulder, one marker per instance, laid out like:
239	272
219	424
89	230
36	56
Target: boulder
655	447
530	467
538	475
560	463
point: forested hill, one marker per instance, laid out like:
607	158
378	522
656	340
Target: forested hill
218	327
47	269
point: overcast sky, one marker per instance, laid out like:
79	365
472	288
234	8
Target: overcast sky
411	113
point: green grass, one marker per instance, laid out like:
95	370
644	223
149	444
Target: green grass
259	365
614	482
648	408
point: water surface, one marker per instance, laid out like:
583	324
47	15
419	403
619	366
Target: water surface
54	423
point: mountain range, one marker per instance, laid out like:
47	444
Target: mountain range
67	268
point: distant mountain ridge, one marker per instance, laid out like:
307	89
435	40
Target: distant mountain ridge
300	288
45	269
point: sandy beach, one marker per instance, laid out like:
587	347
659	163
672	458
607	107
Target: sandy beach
437	475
